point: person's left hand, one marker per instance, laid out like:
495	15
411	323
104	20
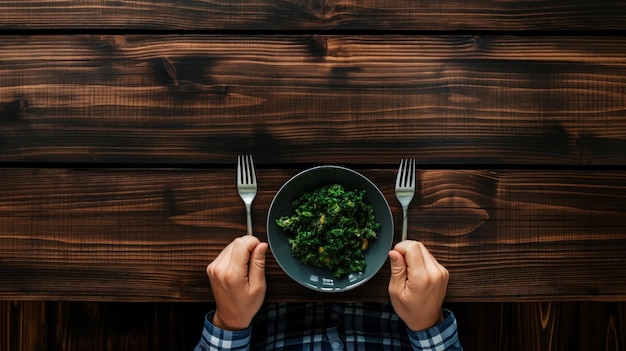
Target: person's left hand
238	284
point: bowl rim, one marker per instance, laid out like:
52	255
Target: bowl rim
386	213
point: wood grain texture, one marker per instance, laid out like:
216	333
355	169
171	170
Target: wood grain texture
485	326
190	99
603	326
289	15
23	325
472	90
546	326
77	326
147	235
88	326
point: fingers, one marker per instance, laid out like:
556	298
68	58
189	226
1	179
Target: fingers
418	283
241	251
420	263
237	277
415	254
398	271
223	256
243	258
435	269
430	263
256	272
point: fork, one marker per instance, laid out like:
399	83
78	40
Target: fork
246	184
405	189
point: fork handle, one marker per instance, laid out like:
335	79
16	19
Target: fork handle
249	219
404	223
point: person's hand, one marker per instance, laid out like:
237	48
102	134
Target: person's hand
238	284
417	286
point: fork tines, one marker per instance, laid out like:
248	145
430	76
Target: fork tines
406	175
245	170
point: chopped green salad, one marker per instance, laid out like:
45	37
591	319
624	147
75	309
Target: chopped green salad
331	228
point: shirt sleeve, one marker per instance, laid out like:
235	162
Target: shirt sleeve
441	337
215	339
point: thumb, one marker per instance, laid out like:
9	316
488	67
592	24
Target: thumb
398	270
256	274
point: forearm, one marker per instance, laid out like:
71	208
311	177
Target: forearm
214	338
443	336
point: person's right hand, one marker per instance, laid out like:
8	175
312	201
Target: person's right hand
238	284
417	286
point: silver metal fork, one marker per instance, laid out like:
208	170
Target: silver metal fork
405	189
246	184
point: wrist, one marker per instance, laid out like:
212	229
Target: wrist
425	324
230	324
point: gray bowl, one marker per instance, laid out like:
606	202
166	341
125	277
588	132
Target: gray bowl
317	278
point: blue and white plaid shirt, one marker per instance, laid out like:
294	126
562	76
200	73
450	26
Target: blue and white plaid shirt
334	327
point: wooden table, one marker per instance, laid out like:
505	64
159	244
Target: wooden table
120	152
121	122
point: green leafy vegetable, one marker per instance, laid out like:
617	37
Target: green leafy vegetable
331	228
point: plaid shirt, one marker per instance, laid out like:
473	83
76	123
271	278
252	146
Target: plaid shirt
335	327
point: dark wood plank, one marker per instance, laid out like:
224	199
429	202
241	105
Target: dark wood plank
147	235
541	325
100	327
484	326
307	99
23	325
546	326
602	326
95	326
178	326
554	15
